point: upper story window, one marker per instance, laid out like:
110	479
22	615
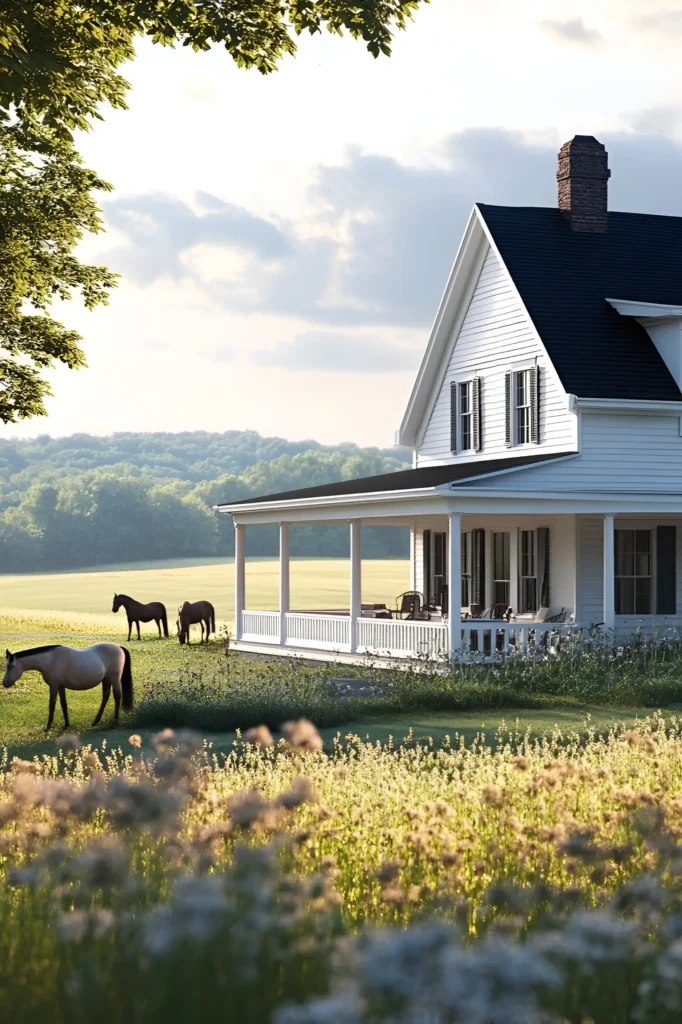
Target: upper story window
465	416
522	406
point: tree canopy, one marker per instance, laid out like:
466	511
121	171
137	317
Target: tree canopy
59	63
71	502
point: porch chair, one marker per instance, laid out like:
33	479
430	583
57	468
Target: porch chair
501	610
439	602
548	615
410	605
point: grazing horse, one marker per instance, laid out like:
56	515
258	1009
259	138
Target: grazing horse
67	668
189	614
138	613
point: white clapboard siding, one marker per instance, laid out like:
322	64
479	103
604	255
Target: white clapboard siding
641	454
496	332
562	548
590	591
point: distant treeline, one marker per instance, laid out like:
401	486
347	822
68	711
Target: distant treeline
83	500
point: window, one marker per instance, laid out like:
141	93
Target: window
528	595
466	440
466	570
633	572
465	416
522	406
439	568
501	573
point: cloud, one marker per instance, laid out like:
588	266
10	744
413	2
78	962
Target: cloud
219	354
574	30
663	22
333	353
663	120
159	228
377	249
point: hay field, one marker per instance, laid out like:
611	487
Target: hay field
80	602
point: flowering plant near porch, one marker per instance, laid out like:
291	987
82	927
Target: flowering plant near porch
540	882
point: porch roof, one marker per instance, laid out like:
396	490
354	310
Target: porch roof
403	480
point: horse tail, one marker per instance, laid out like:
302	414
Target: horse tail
164	620
127	680
212	619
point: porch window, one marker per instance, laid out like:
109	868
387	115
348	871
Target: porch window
522	406
528	596
439	566
465	417
466	570
501	570
633	572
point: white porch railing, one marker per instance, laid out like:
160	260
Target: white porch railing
326	632
260	627
495	638
403	638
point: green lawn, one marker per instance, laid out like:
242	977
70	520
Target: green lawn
81	602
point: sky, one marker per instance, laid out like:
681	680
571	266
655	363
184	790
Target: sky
283	241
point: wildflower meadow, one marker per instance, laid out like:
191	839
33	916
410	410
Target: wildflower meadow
537	880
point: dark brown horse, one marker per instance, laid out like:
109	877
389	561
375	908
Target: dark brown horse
138	613
189	614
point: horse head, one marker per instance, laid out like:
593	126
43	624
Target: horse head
182	631
117	603
12	670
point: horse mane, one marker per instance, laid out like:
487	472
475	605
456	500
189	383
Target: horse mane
36	650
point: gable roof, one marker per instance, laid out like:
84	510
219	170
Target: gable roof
404	479
565	277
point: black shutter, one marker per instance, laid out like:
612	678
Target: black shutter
427	565
478	567
535	405
477	431
453	416
508	431
666	574
543	565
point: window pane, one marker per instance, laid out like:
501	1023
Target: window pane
464	398
501	592
625	596
625	557
501	556
643	596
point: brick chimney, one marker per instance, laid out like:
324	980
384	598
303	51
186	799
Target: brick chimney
583	177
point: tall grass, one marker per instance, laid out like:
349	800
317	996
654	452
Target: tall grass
238	693
538	882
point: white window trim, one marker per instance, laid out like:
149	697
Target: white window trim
520	366
651	529
469	383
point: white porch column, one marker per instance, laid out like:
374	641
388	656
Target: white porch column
609	574
283	581
239	577
355	580
454	583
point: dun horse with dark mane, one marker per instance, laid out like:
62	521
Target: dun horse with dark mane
189	614
68	668
138	613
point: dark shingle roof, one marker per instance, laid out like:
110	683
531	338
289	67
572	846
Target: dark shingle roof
565	277
406	479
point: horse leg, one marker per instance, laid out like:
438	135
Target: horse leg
106	690
130	628
137	623
53	702
65	710
158	626
117	698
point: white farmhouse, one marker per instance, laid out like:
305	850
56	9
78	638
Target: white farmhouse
546	427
